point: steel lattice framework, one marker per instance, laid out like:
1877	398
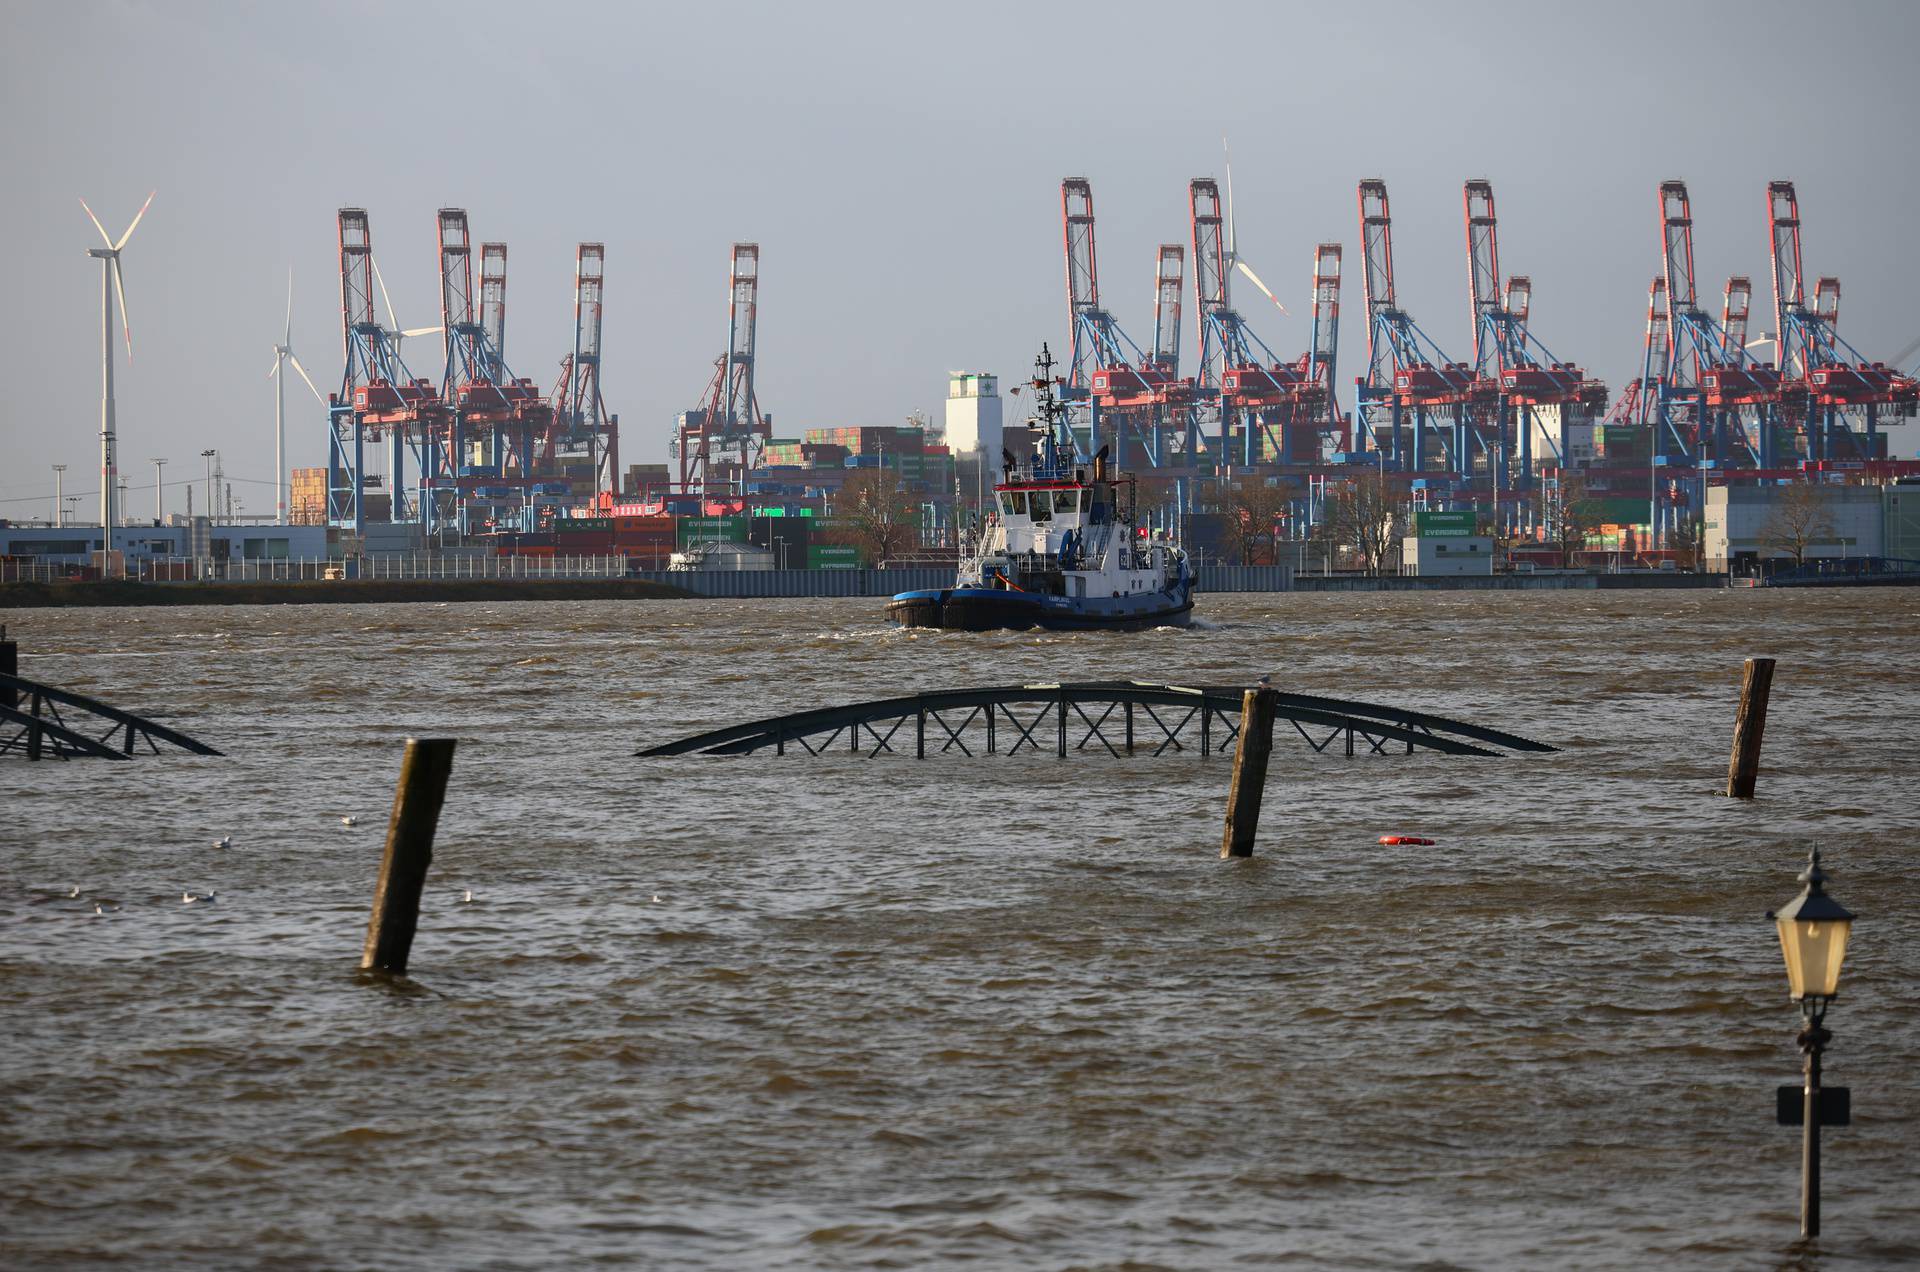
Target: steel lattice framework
726	434
380	400
582	426
1828	392
1406	371
1515	374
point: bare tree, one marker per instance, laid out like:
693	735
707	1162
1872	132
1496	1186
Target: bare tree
1253	509
877	514
1683	539
1572	517
1800	517
1364	514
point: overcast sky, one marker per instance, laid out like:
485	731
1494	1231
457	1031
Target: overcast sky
899	164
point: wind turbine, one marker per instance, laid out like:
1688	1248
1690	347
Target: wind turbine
282	355
393	323
109	258
1233	253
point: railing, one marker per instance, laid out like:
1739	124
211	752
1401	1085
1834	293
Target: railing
395	566
1209	579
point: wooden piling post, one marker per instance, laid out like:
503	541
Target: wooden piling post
1249	773
9	666
1756	684
403	869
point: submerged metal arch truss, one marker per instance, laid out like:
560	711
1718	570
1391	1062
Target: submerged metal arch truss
31	723
1117	717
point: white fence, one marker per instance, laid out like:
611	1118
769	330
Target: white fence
398	565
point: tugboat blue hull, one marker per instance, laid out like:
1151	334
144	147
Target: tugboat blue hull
979	609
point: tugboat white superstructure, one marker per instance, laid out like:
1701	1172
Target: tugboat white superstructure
1064	548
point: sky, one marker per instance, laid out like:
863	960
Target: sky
899	165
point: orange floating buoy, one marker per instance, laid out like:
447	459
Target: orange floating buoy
1414	840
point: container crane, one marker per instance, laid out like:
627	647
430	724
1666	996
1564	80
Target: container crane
1269	410
1734	311
1707	385
581	425
1405	371
1110	379
380	400
1151	405
1324	343
1826	384
1516	377
1636	404
725	435
1169	280
493	415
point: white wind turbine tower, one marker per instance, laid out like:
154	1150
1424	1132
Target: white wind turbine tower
110	281
1233	252
282	355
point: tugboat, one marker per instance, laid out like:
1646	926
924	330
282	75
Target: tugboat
1064	551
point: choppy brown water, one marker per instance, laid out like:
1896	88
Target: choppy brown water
1013	1013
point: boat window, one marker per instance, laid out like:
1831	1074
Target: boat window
1066	501
1015	502
1042	509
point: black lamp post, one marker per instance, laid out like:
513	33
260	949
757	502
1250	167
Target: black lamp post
1813	936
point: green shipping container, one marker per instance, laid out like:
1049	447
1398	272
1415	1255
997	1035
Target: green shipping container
712	530
1617	511
1442	525
833	556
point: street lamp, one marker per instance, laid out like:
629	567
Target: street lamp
208	456
1813	936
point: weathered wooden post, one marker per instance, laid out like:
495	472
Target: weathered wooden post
1755	686
403	870
1249	773
9	666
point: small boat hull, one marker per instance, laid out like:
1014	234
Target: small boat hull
973	609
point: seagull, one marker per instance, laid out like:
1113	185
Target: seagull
188	898
468	897
97	908
225	841
656	899
75	892
349	821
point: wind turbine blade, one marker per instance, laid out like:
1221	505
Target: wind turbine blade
1763	340
1266	291
309	379
288	339
136	221
392	323
272	370
422	331
104	237
120	290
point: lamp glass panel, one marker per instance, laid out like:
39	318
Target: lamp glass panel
1814	951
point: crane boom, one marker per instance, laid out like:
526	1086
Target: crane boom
1483	278
493	309
1169	279
1789	285
1324	351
